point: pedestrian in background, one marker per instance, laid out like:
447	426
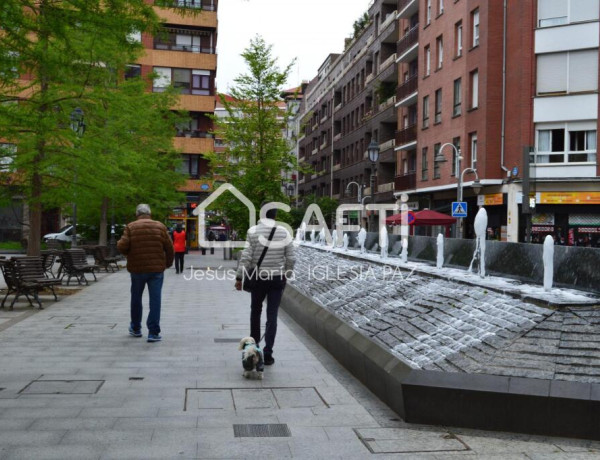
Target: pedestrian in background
277	262
179	245
149	252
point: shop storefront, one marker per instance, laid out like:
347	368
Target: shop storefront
572	218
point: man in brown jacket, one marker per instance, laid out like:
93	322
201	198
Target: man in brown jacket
149	252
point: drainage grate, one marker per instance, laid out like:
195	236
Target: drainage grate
227	340
136	378
270	430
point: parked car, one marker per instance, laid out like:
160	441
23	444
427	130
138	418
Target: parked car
64	235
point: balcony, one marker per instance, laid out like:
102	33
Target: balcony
337	137
193	103
315	151
387	145
385	64
185	60
337	167
194	144
405	182
323	119
207	18
382	188
388	20
406	95
406	136
369	78
406	8
323	145
407	47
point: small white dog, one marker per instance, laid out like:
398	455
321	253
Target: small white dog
252	359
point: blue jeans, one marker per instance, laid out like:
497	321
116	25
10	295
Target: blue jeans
138	283
272	290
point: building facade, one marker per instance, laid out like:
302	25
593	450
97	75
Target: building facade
346	106
184	55
504	83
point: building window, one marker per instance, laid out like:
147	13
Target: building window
426	112
436	164
567	72
558	12
475	27
427	60
474	89
456	143
440	7
188	81
428	12
424	164
133	71
440	51
473	145
458	37
457	97
438	106
569	143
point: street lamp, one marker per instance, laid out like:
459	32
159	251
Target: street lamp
477	186
373	151
358	186
78	127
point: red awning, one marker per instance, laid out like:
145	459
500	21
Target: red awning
425	217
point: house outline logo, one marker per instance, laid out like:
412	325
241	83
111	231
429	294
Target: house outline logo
200	212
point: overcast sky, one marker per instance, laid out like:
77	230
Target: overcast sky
304	29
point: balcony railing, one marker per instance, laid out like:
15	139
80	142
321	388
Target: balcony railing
405	182
194	133
407	88
387	145
382	188
208	5
389	61
388	20
406	135
408	41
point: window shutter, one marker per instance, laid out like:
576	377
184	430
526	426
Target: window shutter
583	71
584	10
552	73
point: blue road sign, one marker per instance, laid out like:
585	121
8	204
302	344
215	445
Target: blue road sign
459	209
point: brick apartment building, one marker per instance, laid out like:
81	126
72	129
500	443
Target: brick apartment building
349	103
494	79
185	56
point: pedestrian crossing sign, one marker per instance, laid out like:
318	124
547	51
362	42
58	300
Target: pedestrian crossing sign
459	209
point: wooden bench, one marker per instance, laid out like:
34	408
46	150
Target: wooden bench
55	245
75	265
49	256
25	276
105	261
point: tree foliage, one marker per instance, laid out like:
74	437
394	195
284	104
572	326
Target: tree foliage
56	55
258	155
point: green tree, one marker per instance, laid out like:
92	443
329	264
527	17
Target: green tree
56	55
258	155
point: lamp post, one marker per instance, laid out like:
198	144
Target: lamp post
373	151
440	158
112	244
78	127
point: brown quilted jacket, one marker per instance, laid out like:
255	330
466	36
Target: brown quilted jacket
147	246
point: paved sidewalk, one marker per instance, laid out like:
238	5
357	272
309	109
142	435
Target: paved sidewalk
75	385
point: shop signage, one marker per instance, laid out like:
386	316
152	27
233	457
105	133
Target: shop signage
542	218
588	229
569	198
493	199
193	185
